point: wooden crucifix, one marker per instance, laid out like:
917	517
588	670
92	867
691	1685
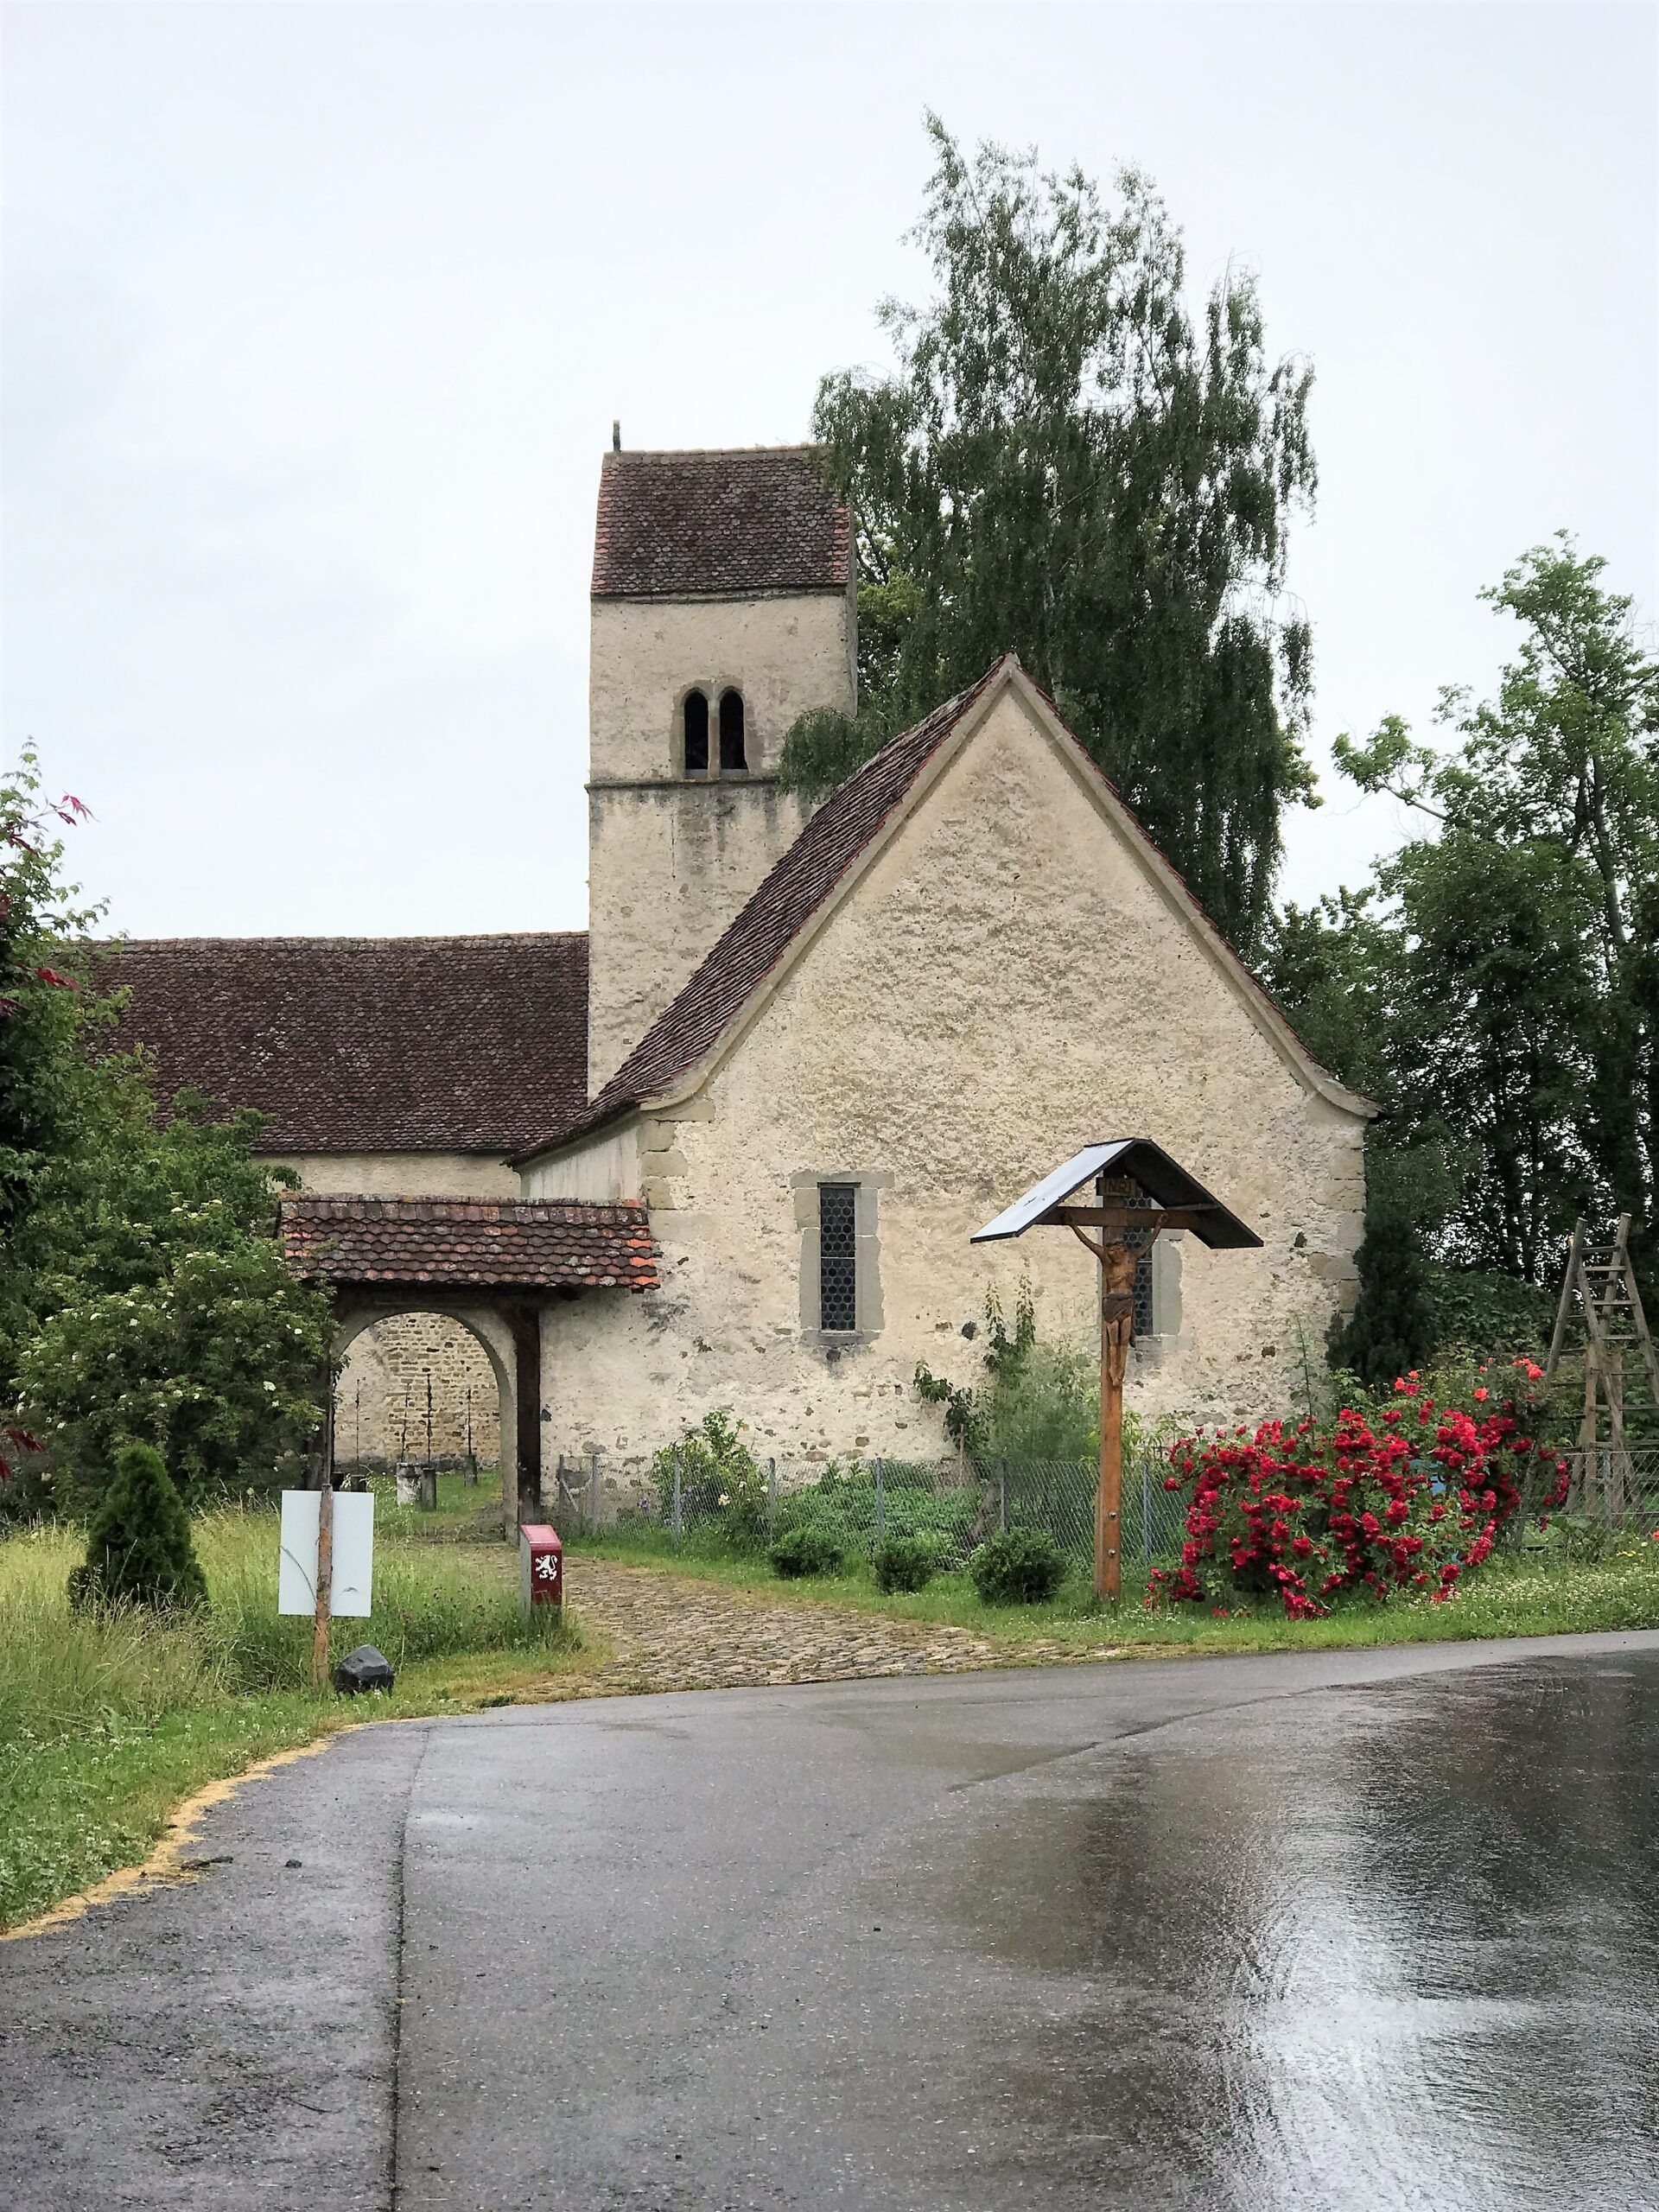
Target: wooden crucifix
1139	1192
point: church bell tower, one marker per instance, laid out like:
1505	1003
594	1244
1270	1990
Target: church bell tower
722	609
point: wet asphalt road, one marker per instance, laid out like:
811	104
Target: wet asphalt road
1345	1931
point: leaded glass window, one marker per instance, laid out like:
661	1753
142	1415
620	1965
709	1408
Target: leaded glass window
837	1257
1142	1324
1143	1295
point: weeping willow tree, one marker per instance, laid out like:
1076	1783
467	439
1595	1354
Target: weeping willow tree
1067	463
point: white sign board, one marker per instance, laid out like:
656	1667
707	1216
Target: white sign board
352	1581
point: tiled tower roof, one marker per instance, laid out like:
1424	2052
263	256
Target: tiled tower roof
757	519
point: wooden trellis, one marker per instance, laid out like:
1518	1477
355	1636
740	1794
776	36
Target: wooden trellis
1599	1318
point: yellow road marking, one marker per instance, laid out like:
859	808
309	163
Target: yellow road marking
164	1864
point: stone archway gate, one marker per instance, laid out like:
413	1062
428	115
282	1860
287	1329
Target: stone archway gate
495	1264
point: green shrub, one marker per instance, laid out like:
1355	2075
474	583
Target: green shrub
807	1550
719	1480
1495	1314
138	1550
903	1563
1020	1566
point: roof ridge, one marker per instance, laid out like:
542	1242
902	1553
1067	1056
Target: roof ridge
614	454
453	937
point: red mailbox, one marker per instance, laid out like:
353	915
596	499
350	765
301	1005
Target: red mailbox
541	1566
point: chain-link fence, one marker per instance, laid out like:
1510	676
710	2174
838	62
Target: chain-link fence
1609	1488
956	1503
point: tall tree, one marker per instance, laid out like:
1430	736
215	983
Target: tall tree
1066	462
1531	984
1497	988
143	1292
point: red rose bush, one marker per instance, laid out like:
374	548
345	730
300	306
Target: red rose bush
1409	1498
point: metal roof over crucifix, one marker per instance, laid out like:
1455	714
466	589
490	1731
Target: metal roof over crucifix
1146	1165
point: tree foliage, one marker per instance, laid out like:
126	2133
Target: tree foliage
143	1295
48	1014
1497	989
1392	1329
1068	463
171	1316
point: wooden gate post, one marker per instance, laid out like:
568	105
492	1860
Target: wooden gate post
525	1324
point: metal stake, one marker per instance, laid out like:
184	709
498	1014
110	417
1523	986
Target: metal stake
1146	1516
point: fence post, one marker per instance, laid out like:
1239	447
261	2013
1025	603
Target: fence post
679	1523
593	1490
1146	1514
880	1504
1002	1494
771	1493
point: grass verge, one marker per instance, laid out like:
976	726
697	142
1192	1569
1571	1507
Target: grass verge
108	1720
1513	1595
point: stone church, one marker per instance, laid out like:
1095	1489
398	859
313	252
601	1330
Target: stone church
739	1133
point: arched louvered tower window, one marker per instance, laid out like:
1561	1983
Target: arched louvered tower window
732	754
696	712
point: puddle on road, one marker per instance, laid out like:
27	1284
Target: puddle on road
1389	1948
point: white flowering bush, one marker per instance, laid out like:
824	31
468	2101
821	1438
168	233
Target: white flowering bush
221	1364
174	1320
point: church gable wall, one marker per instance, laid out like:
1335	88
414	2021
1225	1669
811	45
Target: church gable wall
1004	984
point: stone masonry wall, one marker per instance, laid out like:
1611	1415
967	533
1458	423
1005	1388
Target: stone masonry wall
380	1410
1005	983
669	866
671	860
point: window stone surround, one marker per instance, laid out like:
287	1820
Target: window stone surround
866	1184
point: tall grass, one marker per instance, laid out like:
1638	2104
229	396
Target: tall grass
64	1672
108	1719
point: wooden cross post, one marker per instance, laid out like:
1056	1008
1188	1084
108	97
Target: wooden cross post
1117	1264
324	1555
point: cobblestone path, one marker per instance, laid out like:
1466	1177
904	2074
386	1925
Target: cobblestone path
671	1632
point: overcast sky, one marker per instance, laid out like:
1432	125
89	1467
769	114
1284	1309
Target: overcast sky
317	316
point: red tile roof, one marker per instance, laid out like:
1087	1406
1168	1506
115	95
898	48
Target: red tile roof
414	1044
675	525
541	1244
803	879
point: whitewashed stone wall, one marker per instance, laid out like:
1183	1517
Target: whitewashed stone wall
402	1174
671	861
1004	984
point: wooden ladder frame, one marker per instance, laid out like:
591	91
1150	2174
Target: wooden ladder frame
1606	1465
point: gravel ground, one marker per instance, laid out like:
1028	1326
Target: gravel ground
670	1632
